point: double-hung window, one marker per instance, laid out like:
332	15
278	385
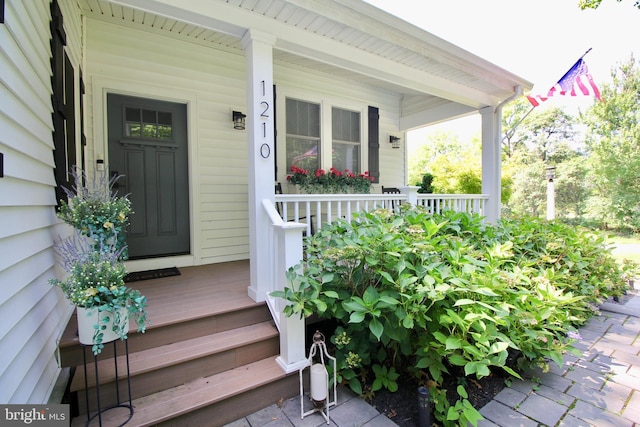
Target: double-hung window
346	146
303	134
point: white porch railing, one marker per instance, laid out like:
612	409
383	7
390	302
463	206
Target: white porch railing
294	214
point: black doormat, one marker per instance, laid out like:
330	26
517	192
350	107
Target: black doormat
151	274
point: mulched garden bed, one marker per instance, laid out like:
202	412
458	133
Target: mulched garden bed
401	407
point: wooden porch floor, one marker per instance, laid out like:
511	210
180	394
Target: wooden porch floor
197	292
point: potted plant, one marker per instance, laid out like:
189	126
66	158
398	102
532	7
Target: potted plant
93	258
95	285
96	210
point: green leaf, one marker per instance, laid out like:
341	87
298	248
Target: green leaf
453	343
482	371
457	360
354	305
370	296
376	328
327	277
387	276
463	302
497	347
452	414
511	372
485	291
320	305
462	392
356	317
389	300
355	386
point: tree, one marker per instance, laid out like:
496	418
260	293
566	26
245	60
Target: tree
548	129
439	145
593	4
572	187
426	184
527	173
542	129
614	145
539	138
513	118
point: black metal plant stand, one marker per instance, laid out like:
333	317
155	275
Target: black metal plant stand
119	403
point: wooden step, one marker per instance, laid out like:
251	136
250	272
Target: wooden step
170	365
202	300
211	401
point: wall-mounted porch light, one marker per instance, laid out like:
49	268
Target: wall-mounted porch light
238	120
394	141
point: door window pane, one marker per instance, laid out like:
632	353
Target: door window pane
148	124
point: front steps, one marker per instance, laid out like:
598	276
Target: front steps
201	370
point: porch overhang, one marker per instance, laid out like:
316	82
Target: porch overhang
347	38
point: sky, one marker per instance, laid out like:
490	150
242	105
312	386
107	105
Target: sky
538	40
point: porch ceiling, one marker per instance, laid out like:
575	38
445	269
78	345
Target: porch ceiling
346	38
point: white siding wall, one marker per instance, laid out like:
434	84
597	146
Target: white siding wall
32	313
211	81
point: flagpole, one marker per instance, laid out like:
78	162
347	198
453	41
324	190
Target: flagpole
513	129
584	54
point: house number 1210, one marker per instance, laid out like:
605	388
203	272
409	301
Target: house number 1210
265	150
264	107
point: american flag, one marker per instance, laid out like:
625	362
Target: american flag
577	81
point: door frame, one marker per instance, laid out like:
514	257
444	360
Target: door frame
98	149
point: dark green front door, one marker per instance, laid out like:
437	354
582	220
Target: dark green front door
148	145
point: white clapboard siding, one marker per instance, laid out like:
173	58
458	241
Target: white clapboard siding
32	313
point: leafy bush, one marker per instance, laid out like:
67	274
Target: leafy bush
438	292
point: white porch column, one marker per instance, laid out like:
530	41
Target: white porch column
258	47
491	161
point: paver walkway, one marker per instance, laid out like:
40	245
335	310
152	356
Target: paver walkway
599	388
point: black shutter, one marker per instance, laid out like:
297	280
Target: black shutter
275	136
63	103
1	11
374	144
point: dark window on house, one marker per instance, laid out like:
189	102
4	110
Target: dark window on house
303	134
63	101
1	11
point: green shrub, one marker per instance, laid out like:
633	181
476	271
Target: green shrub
434	292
